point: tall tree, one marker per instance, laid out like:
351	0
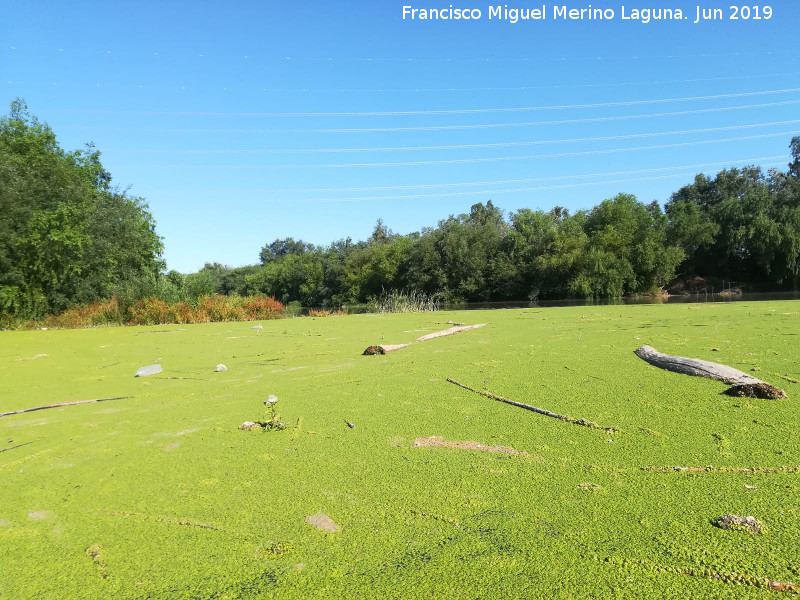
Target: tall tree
66	236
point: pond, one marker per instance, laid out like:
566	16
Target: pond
676	299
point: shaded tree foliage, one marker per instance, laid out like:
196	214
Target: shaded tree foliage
742	225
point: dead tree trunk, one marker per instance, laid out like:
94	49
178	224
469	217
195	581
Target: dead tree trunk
742	383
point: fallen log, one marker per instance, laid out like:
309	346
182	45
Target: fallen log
536	409
741	383
384	348
59	405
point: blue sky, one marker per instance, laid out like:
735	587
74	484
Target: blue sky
243	122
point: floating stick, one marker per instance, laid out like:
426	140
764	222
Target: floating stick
60	404
541	411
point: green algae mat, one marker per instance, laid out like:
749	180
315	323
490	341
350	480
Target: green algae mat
391	482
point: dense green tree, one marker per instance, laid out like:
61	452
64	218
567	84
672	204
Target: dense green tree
741	225
66	235
297	277
283	247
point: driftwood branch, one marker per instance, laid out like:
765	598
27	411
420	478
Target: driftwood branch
384	348
536	409
60	404
742	383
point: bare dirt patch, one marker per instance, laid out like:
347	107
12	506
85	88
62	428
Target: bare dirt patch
322	522
436	440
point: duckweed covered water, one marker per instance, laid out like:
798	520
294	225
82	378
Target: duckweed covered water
160	495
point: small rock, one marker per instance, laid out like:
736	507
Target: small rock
350	425
715	349
750	487
221	368
148	370
249	426
735	522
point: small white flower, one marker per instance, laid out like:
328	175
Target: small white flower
271	400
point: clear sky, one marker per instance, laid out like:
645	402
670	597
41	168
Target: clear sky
242	122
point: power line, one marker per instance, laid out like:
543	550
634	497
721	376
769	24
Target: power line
530	180
479	160
517	124
532	156
457	146
436	112
502	191
450	127
521	88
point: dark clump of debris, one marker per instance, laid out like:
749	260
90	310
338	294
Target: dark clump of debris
736	523
755	390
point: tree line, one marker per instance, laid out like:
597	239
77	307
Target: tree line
68	237
742	225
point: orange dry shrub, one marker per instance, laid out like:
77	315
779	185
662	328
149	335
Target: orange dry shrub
152	311
86	315
221	308
260	307
182	313
149	311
